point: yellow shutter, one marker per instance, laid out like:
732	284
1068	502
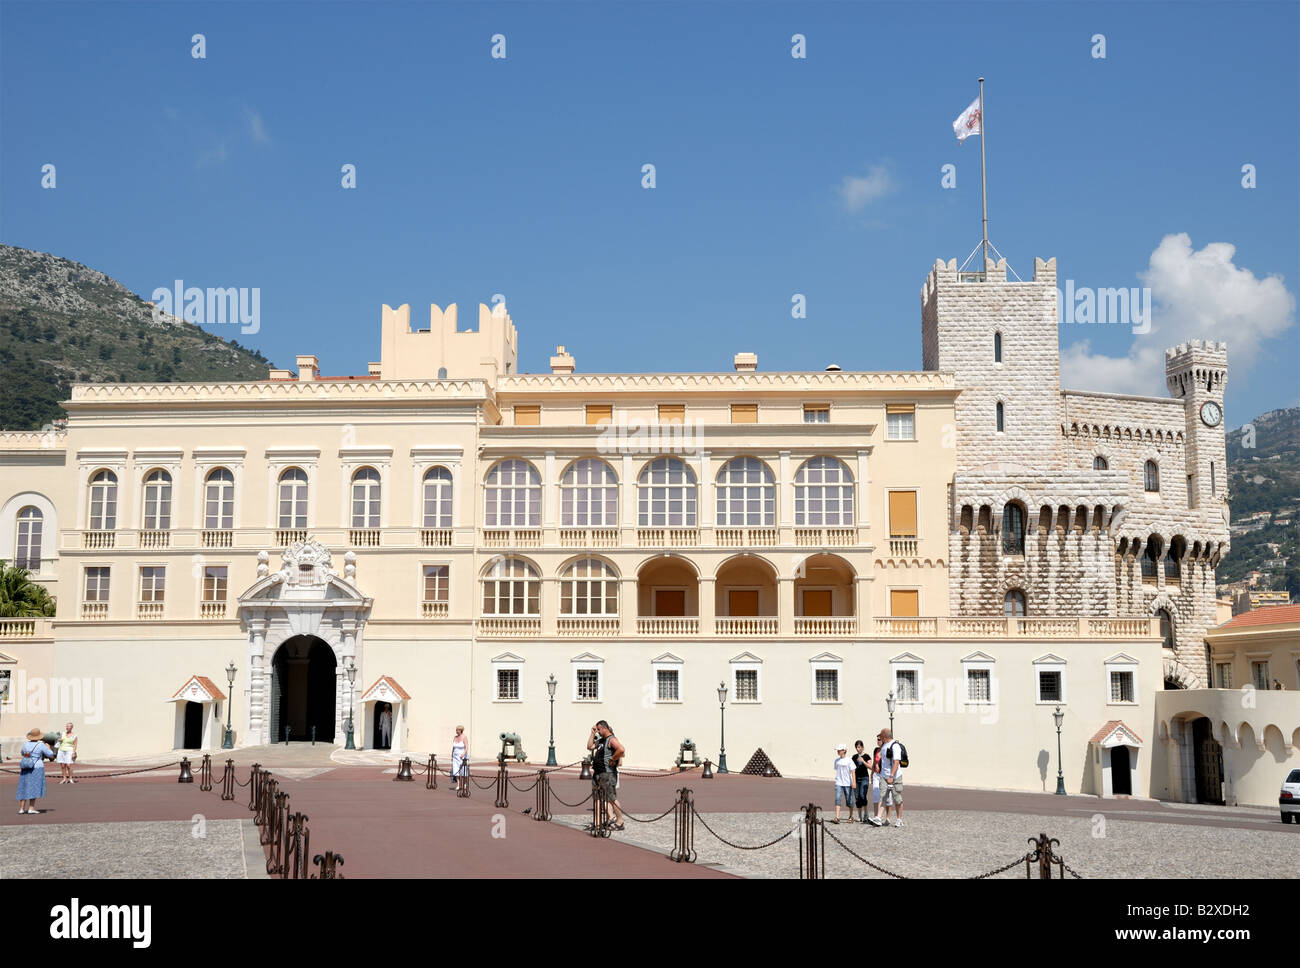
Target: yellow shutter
904	602
900	408
902	514
672	413
744	413
529	415
599	413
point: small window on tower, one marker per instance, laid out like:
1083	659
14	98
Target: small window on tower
1000	416
997	347
1100	463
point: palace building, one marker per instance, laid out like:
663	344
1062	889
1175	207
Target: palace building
442	535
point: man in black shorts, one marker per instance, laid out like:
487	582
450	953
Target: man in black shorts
606	754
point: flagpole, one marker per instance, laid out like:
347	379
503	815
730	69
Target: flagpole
984	188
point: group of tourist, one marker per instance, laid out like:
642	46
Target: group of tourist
31	765
871	780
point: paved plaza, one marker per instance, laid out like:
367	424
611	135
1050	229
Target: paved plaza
145	824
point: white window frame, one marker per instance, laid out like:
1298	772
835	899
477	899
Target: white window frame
585	664
569	577
139	577
421	590
163	493
907	663
532	575
979	662
525	498
104	566
763	489
372	493
32	525
597	514
651	494
115	487
667	663
1256	662
747	663
1122	663
889	433
826	664
204	484
845	491
507	662
203	581
1051	663
1225	663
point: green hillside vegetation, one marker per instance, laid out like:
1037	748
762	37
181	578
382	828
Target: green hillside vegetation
63	323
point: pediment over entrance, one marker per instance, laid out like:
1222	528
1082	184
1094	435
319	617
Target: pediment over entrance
1115	733
385	689
306	574
198	689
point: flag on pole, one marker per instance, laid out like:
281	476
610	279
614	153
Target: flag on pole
969	122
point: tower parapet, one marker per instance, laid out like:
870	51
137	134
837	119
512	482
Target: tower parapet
442	351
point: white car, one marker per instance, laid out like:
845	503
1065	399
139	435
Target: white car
1289	801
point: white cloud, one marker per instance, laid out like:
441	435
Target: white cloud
1195	295
257	128
857	192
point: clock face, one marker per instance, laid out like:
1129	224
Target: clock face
1211	413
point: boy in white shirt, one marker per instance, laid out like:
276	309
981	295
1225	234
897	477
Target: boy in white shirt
843	781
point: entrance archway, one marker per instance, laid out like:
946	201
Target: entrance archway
1207	755
377	740
303	686
1121	772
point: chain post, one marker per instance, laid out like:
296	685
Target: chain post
503	787
228	781
812	853
683	851
253	785
329	862
542	807
205	773
431	780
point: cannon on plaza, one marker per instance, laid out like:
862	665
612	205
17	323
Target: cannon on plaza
688	756
511	742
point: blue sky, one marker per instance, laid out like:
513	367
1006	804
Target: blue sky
775	176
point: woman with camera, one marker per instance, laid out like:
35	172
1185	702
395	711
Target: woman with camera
31	776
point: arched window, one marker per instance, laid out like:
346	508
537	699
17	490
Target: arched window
1100	463
746	494
1013	530
442	373
1014	602
103	501
666	494
513	496
365	498
511	587
1001	412
997	347
589	587
1174	560
437	498
1151	557
293	498
158	501
1151	476
219	500
1166	628
27	547
823	493
589	495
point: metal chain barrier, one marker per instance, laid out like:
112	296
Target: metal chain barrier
719	836
100	776
683	851
205	773
503	788
812	844
568	804
542	804
628	816
998	870
855	854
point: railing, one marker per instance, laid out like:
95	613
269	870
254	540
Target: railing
510	625
679	625
746	537
826	625
17	628
212	609
902	547
435	537
98	539
667	537
1001	627
218	538
748	625
94	610
826	537
588	625
512	537
288	536
363	537
589	537
149	610
155	539
433	609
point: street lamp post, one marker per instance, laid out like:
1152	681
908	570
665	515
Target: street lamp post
551	683
1060	767
352	678
228	742
891	701
722	707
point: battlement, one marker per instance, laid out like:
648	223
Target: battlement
1201	350
443	351
1197	364
945	273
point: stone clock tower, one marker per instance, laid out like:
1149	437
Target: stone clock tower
1197	372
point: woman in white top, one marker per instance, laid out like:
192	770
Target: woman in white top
459	765
67	755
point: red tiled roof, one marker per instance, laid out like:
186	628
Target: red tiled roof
1268	615
1109	728
392	682
206	683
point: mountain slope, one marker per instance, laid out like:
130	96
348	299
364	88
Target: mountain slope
1264	476
61	322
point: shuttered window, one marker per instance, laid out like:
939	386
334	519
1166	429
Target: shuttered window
528	416
902	514
672	413
904	602
744	413
599	413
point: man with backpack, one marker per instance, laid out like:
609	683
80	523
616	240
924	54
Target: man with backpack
893	757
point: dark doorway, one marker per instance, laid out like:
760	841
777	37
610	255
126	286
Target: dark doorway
1208	756
1121	772
379	743
193	726
303	690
